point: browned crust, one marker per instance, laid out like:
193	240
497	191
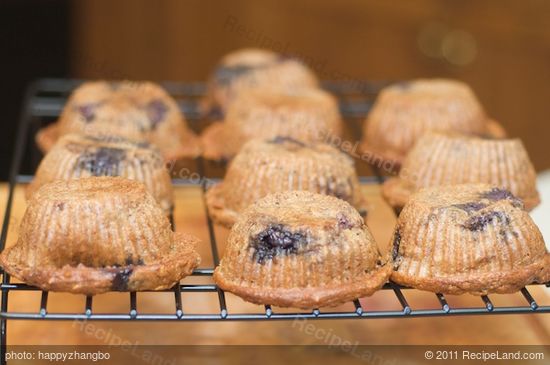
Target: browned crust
88	280
216	207
214	143
495	129
308	298
397	192
380	156
389	155
189	147
46	137
226	217
483	284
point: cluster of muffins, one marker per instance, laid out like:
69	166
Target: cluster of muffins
98	205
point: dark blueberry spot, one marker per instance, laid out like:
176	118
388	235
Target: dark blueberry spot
87	111
344	222
130	261
478	223
470	206
396	244
103	161
60	206
225	75
122	278
215	112
338	190
276	241
156	111
142	144
496	194
282	139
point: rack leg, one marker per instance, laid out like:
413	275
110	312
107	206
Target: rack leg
4	328
4	325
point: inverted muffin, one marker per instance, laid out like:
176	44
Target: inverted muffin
448	159
281	164
472	238
94	235
78	156
140	111
252	69
301	249
405	111
307	116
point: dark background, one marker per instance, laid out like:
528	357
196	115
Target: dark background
35	39
500	47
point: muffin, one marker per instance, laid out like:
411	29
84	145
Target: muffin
404	112
94	235
308	116
140	111
301	249
471	238
78	156
253	69
441	159
281	164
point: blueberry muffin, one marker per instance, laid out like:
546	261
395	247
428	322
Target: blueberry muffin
301	249
140	111
79	156
403	112
94	235
281	164
472	238
442	159
308	116
252	69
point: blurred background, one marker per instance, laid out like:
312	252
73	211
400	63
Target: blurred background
500	47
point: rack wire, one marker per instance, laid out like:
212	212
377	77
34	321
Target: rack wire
44	100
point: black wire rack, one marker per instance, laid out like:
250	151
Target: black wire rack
43	102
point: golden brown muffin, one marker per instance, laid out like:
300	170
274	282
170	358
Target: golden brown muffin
471	238
140	111
301	249
404	112
252	69
281	164
78	156
308	116
439	159
93	235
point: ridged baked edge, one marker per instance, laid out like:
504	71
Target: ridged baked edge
397	192
494	282
494	130
226	217
382	156
90	281
216	207
309	298
214	146
190	146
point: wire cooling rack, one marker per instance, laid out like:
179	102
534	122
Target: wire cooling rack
42	104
